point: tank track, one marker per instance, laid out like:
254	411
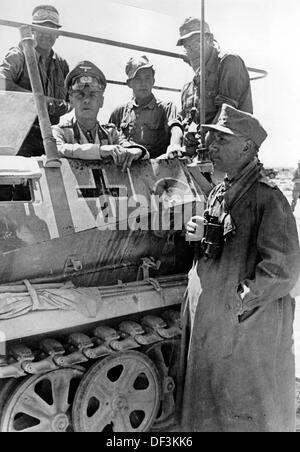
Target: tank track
83	349
79	348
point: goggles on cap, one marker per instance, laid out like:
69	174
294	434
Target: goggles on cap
44	15
87	82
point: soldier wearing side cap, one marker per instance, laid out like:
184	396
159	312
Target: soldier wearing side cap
227	79
53	70
145	119
81	136
237	371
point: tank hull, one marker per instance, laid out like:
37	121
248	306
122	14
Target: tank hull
100	218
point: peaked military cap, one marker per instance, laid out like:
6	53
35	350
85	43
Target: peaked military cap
190	27
85	75
135	64
239	123
45	13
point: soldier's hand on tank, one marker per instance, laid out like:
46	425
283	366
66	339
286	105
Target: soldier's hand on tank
191	142
173	151
118	153
190	139
194	229
132	155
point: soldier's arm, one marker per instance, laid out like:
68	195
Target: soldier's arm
134	150
11	69
174	124
88	151
176	135
173	120
66	149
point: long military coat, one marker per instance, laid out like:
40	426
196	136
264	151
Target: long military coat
238	367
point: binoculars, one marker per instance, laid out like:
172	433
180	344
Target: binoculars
213	238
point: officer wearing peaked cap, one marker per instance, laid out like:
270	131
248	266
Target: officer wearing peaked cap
227	79
85	72
53	70
238	318
82	136
147	120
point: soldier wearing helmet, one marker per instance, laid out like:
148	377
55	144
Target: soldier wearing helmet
145	119
296	187
227	79
53	70
81	136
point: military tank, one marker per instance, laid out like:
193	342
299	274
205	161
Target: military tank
93	271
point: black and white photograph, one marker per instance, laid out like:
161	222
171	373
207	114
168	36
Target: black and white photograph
149	218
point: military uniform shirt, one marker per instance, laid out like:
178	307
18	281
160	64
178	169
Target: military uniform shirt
226	81
68	132
148	125
69	136
53	71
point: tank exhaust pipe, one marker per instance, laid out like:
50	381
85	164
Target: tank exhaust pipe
49	142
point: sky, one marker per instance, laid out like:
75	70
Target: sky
265	33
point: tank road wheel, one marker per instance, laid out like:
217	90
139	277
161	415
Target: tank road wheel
120	393
42	403
165	356
7	386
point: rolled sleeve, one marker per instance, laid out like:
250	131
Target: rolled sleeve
172	115
12	65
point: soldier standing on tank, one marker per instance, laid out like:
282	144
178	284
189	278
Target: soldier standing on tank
53	70
146	120
238	370
296	187
81	136
226	75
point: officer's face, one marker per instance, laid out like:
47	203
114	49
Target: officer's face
192	48
142	83
44	40
227	151
86	103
